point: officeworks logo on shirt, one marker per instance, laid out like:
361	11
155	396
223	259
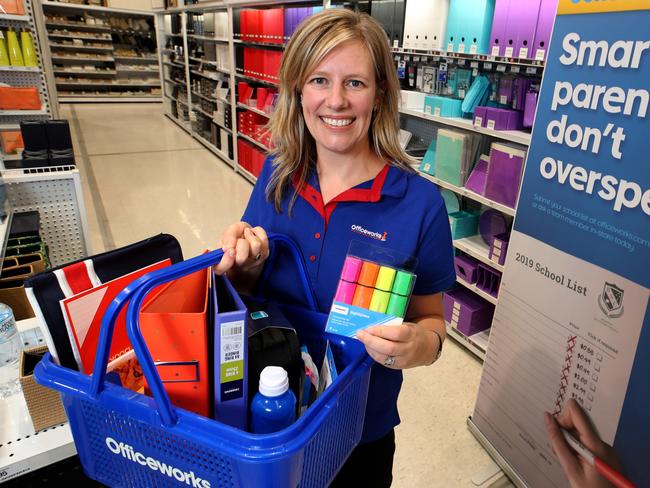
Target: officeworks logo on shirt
127	452
380	236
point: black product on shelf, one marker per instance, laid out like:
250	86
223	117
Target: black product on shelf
390	14
34	135
58	135
25	224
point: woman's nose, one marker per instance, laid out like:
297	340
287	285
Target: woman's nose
336	98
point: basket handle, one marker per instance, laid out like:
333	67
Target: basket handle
135	293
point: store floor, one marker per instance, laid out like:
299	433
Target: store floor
143	175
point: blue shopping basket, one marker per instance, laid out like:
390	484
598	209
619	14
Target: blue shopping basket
128	439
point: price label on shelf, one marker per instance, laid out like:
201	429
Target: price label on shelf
461	62
515	69
395	43
450	47
501	68
490	124
461	48
475	72
487	65
416	59
473	64
531	71
540	54
495	50
473	49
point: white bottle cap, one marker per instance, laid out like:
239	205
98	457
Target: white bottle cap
274	381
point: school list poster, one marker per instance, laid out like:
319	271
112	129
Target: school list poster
572	318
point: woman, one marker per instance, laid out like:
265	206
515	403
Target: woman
338	173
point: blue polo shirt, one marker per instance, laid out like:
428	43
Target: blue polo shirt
396	210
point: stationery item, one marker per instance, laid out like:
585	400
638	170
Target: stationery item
274	405
522	20
365	284
499	27
328	371
425	24
612	475
452	202
488	280
383	286
466	268
45	290
310	388
349	275
476	180
480	114
29	52
467	312
503	119
4	53
504	173
230	354
399	295
427	165
442	106
13	46
492	223
413	100
463	224
455	154
469	25
19	98
530	108
519	89
545	21
477	92
499	248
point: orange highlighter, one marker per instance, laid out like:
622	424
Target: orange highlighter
365	285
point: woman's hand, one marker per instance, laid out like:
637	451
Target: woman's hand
578	471
409	344
245	248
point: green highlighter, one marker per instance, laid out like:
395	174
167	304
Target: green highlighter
399	295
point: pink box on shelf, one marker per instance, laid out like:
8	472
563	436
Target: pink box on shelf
467	312
466	268
499	248
503	119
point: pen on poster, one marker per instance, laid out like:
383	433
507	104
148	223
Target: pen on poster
613	476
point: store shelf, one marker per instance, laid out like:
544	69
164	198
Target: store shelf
207	76
173	82
77	7
10	157
477	344
107	38
247	174
481	58
5	227
182	102
182	124
21	69
77	59
136	59
204	97
120	69
81	47
211	147
23	112
254	109
14	18
476	247
470	194
477	290
519	137
253	141
277	45
118	84
9	126
206	38
117	98
175	65
79	25
256	80
21	448
78	72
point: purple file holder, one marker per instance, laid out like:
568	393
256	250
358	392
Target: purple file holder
519	90
467	312
480	114
476	180
466	268
499	248
488	280
504	174
529	109
503	119
499	25
545	21
522	19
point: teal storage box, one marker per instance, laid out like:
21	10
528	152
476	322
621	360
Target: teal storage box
463	224
428	163
442	106
469	26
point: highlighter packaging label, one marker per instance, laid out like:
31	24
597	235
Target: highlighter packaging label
374	289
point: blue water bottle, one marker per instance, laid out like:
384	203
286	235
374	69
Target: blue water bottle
274	405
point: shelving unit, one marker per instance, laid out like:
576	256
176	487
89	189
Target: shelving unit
103	40
25	76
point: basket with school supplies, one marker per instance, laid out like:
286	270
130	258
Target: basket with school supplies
128	439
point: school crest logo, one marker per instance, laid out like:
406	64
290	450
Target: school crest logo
610	300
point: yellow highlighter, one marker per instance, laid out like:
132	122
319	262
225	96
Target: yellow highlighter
383	286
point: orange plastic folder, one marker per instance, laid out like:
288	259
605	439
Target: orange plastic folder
175	326
83	315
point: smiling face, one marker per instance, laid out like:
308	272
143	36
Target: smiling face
338	99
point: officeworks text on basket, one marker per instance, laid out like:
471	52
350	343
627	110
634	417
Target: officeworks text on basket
127	451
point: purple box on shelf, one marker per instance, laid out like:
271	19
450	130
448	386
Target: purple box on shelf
467	312
488	280
522	18
504	174
480	116
519	89
529	108
545	21
499	25
476	180
499	248
503	119
466	268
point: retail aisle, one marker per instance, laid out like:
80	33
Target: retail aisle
143	175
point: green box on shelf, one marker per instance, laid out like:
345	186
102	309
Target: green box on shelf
463	224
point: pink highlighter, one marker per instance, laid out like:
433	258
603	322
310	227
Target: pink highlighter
348	281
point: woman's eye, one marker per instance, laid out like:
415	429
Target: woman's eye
318	81
356	83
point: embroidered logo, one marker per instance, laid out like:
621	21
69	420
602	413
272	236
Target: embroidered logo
368	233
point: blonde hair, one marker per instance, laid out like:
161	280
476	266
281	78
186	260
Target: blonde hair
294	150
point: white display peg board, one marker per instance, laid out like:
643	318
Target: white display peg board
58	198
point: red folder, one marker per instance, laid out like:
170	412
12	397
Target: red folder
273	25
175	326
